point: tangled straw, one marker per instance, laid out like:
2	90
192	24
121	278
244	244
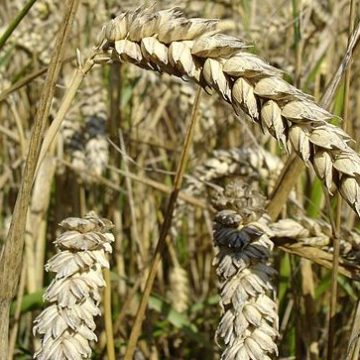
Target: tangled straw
165	41
67	325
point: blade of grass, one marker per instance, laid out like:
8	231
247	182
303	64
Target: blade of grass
14	23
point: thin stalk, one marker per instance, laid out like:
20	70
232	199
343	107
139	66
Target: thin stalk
15	22
334	274
11	255
110	347
136	329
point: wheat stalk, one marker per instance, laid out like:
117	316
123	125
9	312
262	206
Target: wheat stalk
67	324
165	41
249	324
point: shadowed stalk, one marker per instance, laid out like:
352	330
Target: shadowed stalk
13	25
11	256
136	329
15	327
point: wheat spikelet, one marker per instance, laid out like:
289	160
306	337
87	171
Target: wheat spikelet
165	41
249	322
179	288
67	325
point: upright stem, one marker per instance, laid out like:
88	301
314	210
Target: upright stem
110	347
11	255
14	23
136	329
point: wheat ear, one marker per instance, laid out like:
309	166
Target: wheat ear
67	325
249	324
318	233
165	41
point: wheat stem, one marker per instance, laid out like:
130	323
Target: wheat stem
110	346
54	128
136	329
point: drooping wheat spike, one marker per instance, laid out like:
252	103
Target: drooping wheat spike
165	41
67	325
249	323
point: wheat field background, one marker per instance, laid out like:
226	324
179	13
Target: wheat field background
179	179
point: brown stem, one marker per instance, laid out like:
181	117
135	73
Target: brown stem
136	329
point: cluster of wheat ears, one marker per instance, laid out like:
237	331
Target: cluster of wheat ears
244	230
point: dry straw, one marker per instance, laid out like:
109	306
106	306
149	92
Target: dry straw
67	325
165	41
249	323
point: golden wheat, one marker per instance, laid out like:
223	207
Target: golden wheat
249	324
67	325
165	41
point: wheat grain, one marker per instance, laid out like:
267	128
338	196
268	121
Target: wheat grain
165	41
249	323
67	325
